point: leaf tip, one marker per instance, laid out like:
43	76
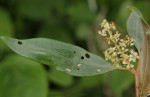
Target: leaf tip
3	37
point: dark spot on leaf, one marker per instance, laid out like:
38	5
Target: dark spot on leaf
47	67
82	57
74	52
87	55
19	42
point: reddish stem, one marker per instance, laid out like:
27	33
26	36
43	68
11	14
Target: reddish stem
136	85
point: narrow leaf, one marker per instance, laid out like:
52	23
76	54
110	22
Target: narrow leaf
65	57
135	29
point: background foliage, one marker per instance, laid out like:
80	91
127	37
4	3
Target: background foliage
71	21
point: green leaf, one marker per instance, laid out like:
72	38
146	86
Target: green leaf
135	29
65	57
20	77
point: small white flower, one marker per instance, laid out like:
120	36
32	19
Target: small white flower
118	65
114	54
124	62
132	66
128	66
123	48
113	26
102	33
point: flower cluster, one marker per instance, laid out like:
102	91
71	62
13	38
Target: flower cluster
118	52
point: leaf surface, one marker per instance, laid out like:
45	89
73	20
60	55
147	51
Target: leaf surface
65	57
135	29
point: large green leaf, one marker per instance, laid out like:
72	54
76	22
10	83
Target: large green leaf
21	77
65	57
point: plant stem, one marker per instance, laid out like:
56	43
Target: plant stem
135	72
136	85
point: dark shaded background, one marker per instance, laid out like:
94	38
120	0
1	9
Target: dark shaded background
75	22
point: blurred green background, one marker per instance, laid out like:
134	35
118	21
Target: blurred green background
71	21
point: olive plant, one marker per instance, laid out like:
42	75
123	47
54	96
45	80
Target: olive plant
76	61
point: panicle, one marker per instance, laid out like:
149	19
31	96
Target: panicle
118	52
